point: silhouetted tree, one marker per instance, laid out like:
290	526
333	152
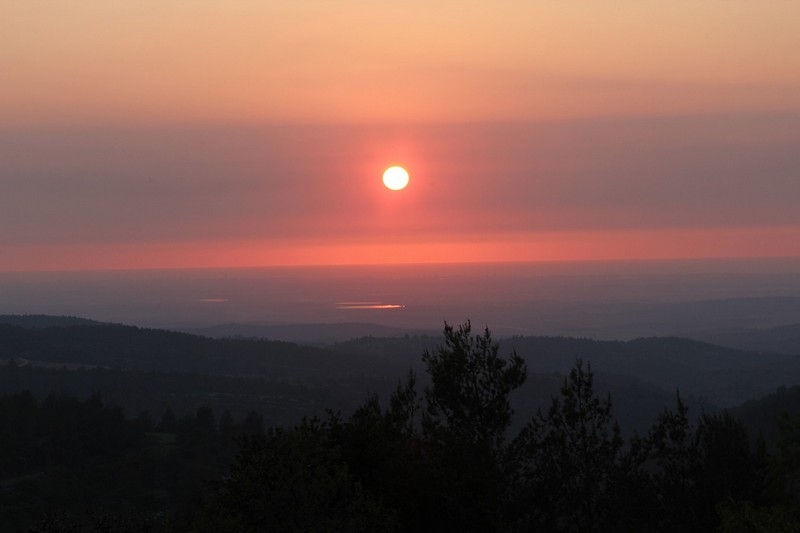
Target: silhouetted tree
675	455
469	396
729	470
466	416
784	467
293	481
168	422
253	424
569	458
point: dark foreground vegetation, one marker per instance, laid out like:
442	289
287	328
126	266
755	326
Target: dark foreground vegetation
435	457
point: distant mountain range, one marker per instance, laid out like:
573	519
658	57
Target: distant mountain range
643	375
780	339
46	321
783	339
305	333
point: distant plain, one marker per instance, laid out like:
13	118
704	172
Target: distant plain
600	300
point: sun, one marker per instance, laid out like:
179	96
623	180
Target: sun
395	178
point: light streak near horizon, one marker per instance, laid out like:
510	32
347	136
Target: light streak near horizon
367	305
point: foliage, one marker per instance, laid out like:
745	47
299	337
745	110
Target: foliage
745	518
784	465
464	424
471	383
293	481
66	463
440	460
568	460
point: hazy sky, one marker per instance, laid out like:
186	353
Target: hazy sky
199	133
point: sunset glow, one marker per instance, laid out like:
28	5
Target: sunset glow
287	265
154	135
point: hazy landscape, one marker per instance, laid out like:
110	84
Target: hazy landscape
390	314
401	267
268	347
600	300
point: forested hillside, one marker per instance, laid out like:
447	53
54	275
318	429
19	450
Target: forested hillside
722	376
443	451
172	402
141	368
133	348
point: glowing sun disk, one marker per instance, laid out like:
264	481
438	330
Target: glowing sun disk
395	178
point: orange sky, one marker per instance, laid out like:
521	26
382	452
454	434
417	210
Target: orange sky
540	246
316	60
172	133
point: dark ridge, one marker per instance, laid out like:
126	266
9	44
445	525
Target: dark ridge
779	339
155	350
46	321
761	415
312	333
716	375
